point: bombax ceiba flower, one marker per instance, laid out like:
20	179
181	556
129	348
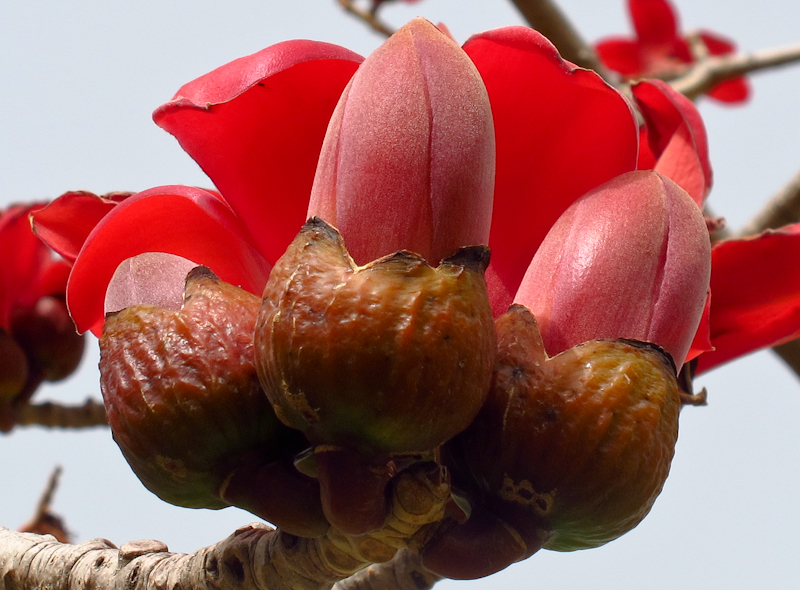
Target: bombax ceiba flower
402	180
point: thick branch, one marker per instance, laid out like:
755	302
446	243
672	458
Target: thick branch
53	415
255	557
546	17
707	73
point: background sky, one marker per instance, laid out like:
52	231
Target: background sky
78	81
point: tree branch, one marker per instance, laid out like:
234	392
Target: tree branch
255	557
707	73
782	209
53	415
370	17
546	17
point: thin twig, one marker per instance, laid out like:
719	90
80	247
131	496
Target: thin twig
370	17
707	73
53	415
44	522
546	17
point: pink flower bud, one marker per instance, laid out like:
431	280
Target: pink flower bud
630	259
409	156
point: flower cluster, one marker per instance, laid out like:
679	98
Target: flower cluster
568	341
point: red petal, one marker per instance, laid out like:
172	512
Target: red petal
256	126
28	269
179	220
731	91
655	22
560	131
621	55
66	222
756	287
717	44
676	135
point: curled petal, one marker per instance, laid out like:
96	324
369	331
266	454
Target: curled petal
180	220
628	260
65	223
408	160
256	125
560	132
756	287
676	136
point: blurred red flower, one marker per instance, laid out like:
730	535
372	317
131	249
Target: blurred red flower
38	341
660	51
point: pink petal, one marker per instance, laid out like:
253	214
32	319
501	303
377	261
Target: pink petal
560	131
152	278
408	160
184	221
630	259
676	136
256	125
756	286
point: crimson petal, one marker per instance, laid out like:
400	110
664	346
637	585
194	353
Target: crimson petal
66	222
560	131
180	220
676	136
621	55
655	22
756	287
256	126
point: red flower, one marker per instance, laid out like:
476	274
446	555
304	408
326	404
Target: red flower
256	127
37	340
659	50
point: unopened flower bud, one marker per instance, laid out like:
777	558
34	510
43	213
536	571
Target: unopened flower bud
630	259
409	157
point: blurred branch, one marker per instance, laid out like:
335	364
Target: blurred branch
370	17
546	17
53	415
782	209
255	557
404	572
707	73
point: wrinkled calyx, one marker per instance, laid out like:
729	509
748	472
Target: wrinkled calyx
185	407
392	358
568	452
